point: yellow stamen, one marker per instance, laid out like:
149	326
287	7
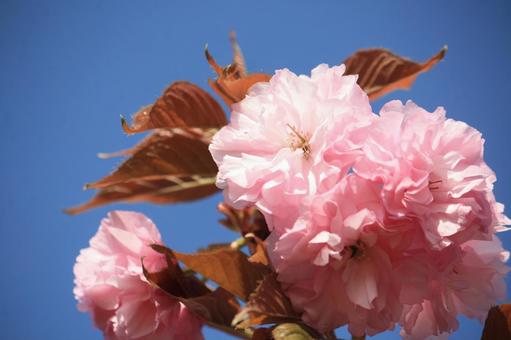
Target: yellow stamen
301	143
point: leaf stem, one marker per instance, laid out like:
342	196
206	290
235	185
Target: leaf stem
239	243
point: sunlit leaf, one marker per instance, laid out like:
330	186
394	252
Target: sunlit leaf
182	105
381	71
215	246
229	268
217	308
266	305
498	323
291	331
259	254
233	81
166	167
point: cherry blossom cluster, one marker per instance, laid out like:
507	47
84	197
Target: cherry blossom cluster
375	220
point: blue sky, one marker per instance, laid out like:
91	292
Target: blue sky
68	69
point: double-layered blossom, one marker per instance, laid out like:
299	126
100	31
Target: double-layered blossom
110	284
457	280
345	260
431	169
354	271
271	153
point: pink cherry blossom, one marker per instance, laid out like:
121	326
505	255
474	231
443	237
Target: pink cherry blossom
376	221
354	271
345	260
271	153
431	169
464	280
109	283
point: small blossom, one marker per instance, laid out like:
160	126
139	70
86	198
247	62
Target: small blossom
110	284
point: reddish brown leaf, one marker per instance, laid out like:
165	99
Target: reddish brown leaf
267	304
217	308
166	167
172	280
259	254
215	246
229	268
262	334
233	91
244	221
381	71
238	58
498	323
182	104
233	82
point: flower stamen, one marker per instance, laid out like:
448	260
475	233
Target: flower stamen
357	250
434	185
300	140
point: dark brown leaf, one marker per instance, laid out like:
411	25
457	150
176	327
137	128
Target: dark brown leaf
217	307
381	71
262	334
498	323
172	280
182	105
267	304
233	82
166	167
229	268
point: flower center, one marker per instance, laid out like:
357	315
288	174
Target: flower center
357	250
434	185
299	140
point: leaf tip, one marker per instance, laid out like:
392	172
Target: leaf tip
443	51
211	61
75	210
232	37
125	126
69	211
207	54
102	155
